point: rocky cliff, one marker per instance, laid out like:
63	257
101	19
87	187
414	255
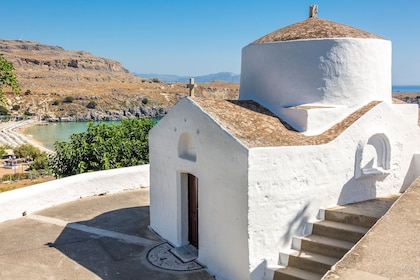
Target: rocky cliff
69	85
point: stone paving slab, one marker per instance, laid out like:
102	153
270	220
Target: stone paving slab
103	237
391	249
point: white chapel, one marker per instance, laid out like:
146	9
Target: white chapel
315	126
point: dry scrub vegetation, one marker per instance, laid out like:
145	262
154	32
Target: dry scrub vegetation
49	74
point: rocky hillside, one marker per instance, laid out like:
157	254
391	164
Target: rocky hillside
63	85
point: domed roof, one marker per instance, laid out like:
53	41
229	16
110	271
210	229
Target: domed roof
315	28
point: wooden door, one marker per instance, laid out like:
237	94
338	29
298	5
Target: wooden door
193	210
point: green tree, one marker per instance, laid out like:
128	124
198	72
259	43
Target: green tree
103	146
27	150
2	151
39	158
7	78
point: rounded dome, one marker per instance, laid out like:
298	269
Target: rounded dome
316	62
315	28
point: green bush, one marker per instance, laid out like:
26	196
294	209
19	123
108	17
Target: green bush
28	113
68	99
15	177
4	111
145	101
56	102
103	146
39	163
91	105
16	107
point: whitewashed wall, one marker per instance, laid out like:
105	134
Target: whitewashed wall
287	185
44	195
243	228
220	165
342	71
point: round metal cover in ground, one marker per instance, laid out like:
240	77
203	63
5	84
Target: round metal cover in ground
161	256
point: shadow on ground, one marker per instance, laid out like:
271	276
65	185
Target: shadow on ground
114	245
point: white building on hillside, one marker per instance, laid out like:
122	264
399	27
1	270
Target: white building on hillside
314	126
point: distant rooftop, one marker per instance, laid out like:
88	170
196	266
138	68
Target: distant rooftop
315	28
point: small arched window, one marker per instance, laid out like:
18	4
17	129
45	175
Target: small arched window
186	147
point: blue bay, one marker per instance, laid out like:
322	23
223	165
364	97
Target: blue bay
48	134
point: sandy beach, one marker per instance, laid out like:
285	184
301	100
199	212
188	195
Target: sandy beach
11	134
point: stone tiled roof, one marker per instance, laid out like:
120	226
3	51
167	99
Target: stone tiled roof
256	126
315	28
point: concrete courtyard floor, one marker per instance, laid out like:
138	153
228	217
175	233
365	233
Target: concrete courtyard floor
107	237
101	237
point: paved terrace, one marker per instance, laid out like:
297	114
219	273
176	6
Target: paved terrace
107	237
100	237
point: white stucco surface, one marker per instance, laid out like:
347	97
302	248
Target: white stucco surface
288	185
37	197
252	202
220	165
314	121
328	72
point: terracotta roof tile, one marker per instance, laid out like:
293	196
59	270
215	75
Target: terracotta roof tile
315	28
256	126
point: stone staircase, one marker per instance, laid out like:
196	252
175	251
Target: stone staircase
341	228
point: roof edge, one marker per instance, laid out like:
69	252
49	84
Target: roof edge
315	28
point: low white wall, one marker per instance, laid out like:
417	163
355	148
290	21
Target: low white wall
40	196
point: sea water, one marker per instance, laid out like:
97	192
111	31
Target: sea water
48	134
412	88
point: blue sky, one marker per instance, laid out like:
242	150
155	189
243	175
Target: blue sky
187	37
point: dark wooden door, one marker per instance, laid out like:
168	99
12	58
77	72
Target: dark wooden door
193	210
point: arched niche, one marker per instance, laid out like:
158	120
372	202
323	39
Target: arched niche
373	158
186	147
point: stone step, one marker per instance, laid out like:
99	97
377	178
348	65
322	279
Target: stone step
365	213
332	238
311	261
325	245
341	216
339	231
293	273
